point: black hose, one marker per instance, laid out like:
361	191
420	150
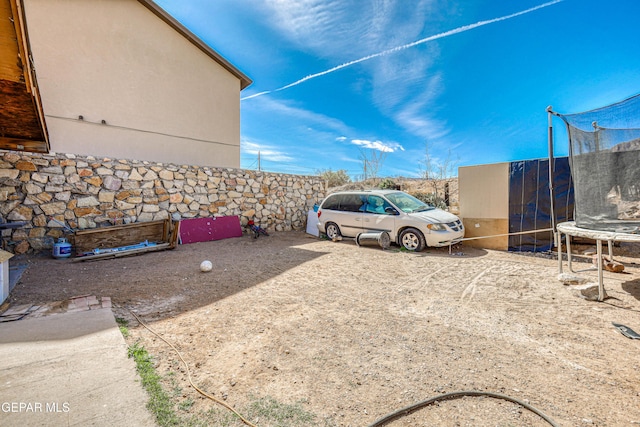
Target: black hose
454	395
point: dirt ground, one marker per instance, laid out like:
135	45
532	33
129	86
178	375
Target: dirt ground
355	333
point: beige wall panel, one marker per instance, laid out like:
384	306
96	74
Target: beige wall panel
484	204
161	97
478	227
484	191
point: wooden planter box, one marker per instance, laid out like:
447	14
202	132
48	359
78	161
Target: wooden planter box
162	233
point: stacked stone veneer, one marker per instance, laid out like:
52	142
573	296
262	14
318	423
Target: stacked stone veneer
51	190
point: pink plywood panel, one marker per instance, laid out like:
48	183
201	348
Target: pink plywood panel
207	229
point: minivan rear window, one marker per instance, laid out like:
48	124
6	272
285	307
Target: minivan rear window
331	203
345	202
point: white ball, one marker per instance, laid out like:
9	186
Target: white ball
206	266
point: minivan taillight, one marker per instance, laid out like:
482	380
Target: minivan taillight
319	213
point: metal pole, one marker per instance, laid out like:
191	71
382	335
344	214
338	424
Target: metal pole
596	135
551	168
557	236
600	278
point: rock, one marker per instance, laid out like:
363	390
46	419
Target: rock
104	171
166	175
135	175
54	208
64	196
39	178
150	208
21	247
588	291
150	176
106	196
21	213
84	202
24	165
9	173
54	170
112	183
32	188
86	211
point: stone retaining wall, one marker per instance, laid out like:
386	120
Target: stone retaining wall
51	190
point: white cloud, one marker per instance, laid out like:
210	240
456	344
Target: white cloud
279	110
417	115
406	84
327	27
266	152
386	147
339	30
324	27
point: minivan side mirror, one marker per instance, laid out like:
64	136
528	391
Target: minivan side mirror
391	211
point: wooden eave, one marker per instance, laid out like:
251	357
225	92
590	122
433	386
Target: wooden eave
172	22
22	124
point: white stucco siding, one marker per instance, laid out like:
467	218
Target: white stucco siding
163	99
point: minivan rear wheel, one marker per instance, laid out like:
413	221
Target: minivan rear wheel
333	231
412	240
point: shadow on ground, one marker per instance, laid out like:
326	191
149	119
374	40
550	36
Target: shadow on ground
633	288
168	283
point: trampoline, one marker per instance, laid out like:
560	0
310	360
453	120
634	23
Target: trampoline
604	159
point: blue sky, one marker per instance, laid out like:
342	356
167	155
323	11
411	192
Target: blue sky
466	81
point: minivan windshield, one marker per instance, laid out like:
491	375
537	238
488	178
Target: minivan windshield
408	203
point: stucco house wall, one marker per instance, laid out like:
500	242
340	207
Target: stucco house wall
122	79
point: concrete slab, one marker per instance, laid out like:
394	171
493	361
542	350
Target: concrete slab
69	369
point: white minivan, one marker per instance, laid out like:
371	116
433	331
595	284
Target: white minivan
410	222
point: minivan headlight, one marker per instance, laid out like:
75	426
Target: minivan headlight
436	227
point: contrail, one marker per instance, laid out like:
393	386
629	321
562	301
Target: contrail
406	46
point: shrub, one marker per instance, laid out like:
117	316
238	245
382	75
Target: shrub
334	179
431	199
388	184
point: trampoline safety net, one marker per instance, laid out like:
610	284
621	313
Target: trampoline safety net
604	155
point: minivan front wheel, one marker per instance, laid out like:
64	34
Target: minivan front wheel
412	240
333	231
